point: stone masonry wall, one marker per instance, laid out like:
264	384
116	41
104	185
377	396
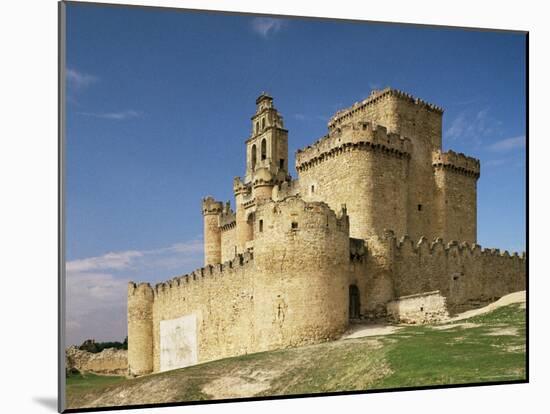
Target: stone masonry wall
221	298
229	243
465	274
301	280
364	168
426	307
110	361
455	196
419	122
287	294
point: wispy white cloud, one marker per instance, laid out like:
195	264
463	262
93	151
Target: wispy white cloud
96	287
117	116
458	126
109	261
95	307
267	26
508	144
473	126
79	80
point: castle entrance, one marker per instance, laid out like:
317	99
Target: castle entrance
354	302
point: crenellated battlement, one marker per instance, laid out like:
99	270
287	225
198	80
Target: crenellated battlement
213	271
456	162
345	115
405	245
211	206
350	137
310	214
239	187
139	289
227	217
285	189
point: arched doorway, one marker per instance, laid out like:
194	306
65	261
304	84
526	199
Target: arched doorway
354	302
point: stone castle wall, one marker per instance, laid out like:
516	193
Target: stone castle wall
228	242
455	196
301	295
421	123
284	295
220	298
393	176
426	307
364	168
465	274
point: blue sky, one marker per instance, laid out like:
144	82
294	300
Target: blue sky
159	105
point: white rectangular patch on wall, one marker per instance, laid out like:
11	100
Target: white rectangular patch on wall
178	342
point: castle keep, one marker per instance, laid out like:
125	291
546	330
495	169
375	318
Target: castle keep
378	212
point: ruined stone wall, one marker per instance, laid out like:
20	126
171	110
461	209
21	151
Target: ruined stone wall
109	361
301	276
465	274
421	308
365	168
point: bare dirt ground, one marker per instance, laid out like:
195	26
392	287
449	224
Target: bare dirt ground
363	330
516	297
366	329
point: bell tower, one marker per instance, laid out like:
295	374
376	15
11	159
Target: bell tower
267	146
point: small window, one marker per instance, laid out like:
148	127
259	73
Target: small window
294	225
421	309
253	156
420	207
261	226
264	149
281	163
263	123
312	189
257	127
455	277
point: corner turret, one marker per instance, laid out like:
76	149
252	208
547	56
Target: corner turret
211	211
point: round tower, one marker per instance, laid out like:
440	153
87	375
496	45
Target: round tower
263	184
301	255
211	210
140	329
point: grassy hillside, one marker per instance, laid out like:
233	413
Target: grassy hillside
484	348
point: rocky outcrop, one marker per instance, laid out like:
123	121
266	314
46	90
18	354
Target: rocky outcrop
110	361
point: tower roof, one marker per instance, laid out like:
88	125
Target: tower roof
263	96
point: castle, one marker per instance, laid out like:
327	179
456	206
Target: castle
378	212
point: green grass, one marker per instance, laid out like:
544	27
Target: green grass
413	356
425	356
80	383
